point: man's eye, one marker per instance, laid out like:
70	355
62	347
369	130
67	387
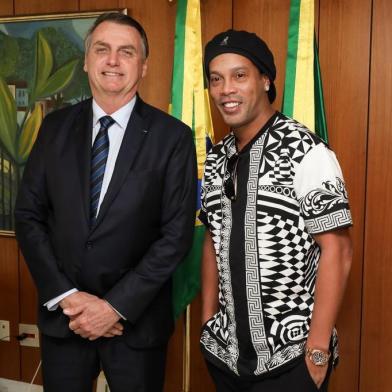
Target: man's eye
100	50
127	53
240	75
214	79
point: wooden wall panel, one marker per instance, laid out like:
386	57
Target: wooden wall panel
30	7
216	16
6	7
269	20
9	307
344	44
29	356
28	295
376	361
158	19
174	369
98	5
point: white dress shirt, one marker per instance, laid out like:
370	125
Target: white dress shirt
116	134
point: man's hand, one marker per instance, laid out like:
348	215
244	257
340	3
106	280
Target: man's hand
317	373
76	299
116	330
91	317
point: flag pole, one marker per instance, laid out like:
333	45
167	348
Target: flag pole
186	353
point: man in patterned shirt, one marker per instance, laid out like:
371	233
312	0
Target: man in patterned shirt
277	252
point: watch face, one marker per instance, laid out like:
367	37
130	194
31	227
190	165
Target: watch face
319	357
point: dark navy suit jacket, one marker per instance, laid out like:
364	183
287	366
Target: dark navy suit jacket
143	230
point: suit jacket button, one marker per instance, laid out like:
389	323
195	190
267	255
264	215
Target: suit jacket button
89	244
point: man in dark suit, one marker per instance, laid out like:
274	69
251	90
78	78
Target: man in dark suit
104	214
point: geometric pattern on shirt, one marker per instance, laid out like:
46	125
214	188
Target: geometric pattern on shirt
340	218
253	289
287	143
211	344
218	324
283	280
286	138
226	294
288	353
283	172
328	198
289	329
217	207
288	286
331	197
277	159
335	347
99	156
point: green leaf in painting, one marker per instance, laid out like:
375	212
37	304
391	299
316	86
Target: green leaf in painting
43	65
59	80
8	124
9	54
29	133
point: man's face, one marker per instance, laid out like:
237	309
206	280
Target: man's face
115	62
238	90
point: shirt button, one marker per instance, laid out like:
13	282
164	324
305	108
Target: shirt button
89	245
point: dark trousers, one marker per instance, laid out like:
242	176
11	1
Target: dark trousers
296	379
72	364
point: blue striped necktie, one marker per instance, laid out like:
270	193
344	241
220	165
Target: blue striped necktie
99	156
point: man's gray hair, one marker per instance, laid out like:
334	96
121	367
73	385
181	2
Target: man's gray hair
119	18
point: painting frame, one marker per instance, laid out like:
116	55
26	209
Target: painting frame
45	82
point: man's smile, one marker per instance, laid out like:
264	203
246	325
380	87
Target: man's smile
230	106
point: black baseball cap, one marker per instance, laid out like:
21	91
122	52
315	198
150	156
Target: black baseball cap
245	44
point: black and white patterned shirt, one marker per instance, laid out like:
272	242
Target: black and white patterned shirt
290	187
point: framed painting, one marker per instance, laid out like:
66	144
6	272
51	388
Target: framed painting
41	69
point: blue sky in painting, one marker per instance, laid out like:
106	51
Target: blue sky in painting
74	29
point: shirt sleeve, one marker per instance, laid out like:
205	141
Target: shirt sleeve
321	192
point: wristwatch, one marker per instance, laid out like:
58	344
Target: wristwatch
317	357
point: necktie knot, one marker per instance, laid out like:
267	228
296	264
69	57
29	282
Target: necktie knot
106	122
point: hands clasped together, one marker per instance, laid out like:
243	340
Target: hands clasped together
91	317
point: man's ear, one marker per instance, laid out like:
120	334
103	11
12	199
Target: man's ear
144	68
266	82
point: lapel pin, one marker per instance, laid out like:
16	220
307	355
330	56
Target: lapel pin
144	131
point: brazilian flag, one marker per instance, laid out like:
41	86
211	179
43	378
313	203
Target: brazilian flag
303	91
190	104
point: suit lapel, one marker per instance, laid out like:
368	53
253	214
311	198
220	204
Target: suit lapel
131	144
83	154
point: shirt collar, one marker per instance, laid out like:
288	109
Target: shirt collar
120	116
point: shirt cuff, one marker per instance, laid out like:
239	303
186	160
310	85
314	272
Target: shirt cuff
54	302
